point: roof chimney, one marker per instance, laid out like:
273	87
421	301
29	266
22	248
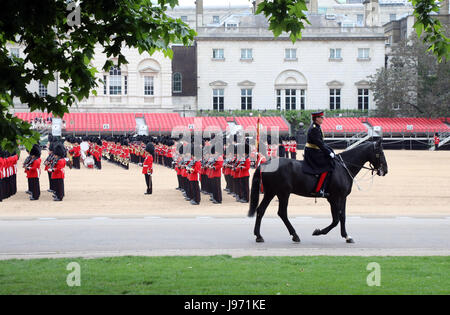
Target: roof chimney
255	5
313	6
198	13
371	13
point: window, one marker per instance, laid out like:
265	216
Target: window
125	84
302	99
363	99
177	87
246	99
335	99
115	81
246	54
392	17
218	54
278	99
360	19
148	86
184	18
218	99
335	53
291	99
15	52
105	85
290	54
231	25
363	53
216	19
42	90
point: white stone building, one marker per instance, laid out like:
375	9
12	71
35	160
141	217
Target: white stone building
245	67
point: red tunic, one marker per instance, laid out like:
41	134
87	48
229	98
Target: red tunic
58	170
34	170
148	165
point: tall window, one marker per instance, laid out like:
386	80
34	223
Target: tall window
291	99
184	18
125	84
363	53
302	99
335	99
42	90
246	99
290	53
360	19
218	53
246	54
149	88
363	99
278	99
335	53
216	19
105	84
392	17
177	81
218	99
115	81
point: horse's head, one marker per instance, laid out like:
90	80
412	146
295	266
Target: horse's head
377	158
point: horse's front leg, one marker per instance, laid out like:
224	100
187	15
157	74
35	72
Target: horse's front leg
335	215
344	234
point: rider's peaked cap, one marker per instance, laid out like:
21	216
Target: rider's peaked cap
317	114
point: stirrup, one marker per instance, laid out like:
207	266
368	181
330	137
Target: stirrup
320	194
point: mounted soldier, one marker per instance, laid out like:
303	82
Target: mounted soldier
319	157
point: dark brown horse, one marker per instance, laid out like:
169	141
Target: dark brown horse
287	177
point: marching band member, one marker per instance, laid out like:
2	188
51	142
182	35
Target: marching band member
47	166
193	172
216	170
57	169
32	166
76	154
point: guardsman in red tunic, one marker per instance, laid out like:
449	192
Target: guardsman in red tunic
293	148
33	170
76	154
436	141
244	167
58	172
193	172
147	168
216	174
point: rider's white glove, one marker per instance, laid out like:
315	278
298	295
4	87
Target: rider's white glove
332	155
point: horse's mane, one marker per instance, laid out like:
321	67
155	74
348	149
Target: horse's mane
358	148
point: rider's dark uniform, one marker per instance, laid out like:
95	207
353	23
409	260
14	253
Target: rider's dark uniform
317	153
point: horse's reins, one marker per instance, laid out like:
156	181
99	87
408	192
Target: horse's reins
350	174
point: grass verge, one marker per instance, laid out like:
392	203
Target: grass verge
226	275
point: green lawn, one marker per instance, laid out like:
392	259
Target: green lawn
226	275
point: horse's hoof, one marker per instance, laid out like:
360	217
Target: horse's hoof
316	232
295	238
259	239
350	240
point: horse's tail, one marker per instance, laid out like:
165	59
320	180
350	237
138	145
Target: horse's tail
254	193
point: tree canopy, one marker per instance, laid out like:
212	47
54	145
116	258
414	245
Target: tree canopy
414	84
57	42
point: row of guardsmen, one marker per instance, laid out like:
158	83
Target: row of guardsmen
208	170
8	172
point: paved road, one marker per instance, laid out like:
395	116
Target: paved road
154	236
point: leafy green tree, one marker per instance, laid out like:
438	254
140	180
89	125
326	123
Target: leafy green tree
414	83
60	42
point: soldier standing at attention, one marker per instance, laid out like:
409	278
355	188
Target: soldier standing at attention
147	169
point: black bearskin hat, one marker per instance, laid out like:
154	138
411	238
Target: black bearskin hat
150	148
59	150
36	150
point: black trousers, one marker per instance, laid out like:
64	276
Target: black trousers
98	164
50	181
195	190
244	190
216	189
294	155
34	187
76	162
148	182
58	184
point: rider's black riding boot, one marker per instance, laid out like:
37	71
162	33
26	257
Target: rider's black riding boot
322	193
